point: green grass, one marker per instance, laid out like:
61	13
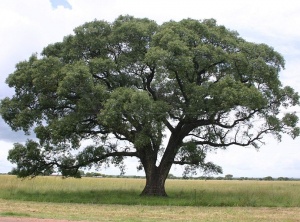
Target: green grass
126	192
14	214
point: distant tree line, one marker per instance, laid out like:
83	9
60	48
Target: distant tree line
226	177
171	176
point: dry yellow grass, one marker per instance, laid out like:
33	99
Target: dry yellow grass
69	184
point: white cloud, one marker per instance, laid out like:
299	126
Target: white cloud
274	159
5	166
28	26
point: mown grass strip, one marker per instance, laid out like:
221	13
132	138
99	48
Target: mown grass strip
114	213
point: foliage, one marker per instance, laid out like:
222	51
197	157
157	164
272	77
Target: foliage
268	178
228	177
165	94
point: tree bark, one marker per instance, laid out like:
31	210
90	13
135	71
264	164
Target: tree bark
155	182
156	175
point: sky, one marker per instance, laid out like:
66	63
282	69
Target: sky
28	26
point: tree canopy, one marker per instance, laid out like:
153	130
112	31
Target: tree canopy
165	94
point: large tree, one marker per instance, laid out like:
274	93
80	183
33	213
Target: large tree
165	94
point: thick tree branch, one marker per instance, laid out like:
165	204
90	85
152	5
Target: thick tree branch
168	125
148	83
181	87
183	162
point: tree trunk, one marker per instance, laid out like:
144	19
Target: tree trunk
155	182
156	175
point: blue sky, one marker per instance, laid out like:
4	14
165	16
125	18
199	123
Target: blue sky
64	3
28	26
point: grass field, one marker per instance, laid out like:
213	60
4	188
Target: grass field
95	199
